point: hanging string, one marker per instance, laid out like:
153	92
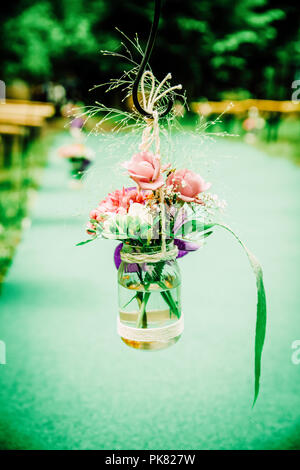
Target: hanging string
145	60
151	134
149	110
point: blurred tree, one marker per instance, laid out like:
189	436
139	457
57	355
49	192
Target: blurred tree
244	45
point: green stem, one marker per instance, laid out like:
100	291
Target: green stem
142	301
167	296
129	301
142	317
139	298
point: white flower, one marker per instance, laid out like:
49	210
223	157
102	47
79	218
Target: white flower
212	201
115	226
108	222
141	212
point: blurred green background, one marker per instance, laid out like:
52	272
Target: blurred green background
69	382
250	47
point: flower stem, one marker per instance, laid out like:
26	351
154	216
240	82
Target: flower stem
142	317
167	296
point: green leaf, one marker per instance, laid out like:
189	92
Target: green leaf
194	225
198	237
86	241
261	312
129	301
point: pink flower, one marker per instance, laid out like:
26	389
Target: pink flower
144	169
97	214
188	184
118	202
249	124
76	150
72	150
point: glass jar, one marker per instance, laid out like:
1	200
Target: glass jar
149	298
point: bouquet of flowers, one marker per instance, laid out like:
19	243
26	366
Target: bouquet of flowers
79	156
168	214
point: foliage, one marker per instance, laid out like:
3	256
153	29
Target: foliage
17	187
248	43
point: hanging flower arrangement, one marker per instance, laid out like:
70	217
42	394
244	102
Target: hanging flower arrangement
79	156
168	213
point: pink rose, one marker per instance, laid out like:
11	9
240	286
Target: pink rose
188	184
144	169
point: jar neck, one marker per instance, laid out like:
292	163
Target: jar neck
130	248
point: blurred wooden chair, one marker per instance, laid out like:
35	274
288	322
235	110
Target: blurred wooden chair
18	122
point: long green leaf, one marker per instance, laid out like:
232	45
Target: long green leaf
86	241
192	226
261	312
198	238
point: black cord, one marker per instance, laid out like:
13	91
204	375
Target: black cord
148	51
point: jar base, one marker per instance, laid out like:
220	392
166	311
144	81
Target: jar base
150	345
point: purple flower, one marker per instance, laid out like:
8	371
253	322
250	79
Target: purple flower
131	268
184	247
77	123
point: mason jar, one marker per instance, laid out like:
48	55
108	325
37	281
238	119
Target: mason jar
149	285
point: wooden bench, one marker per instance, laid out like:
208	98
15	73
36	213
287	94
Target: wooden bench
17	120
25	113
241	107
